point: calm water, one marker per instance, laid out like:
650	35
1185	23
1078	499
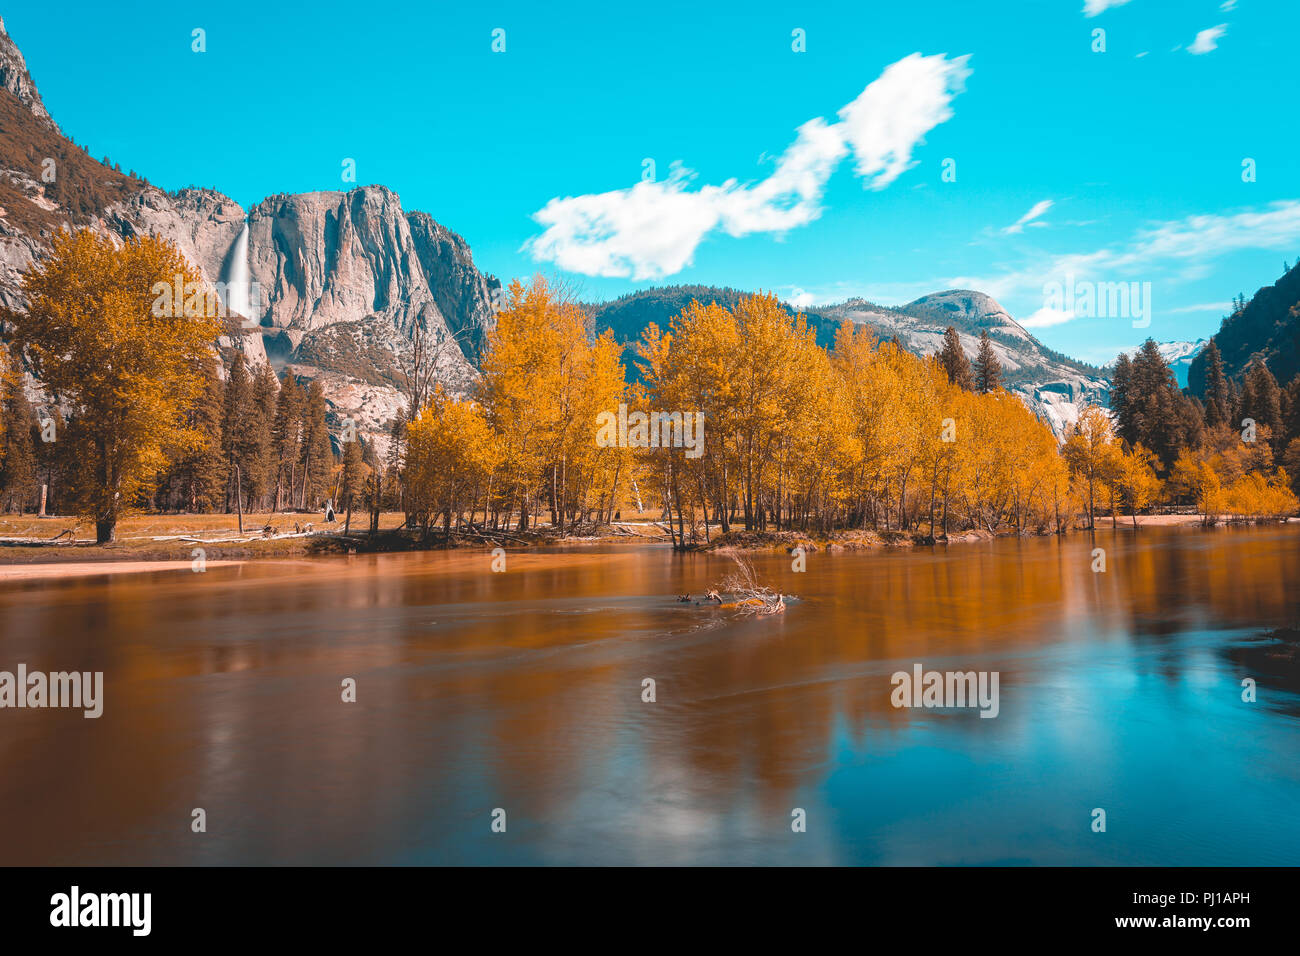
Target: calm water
522	691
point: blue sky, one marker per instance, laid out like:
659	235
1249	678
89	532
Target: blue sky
1127	162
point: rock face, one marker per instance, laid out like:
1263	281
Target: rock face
15	78
320	259
342	282
1268	328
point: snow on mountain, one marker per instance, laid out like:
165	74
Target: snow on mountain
1179	356
1054	386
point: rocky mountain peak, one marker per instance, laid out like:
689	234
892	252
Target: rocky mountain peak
966	307
15	78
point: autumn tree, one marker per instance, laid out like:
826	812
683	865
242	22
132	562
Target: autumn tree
1135	479
450	454
1092	453
122	357
546	378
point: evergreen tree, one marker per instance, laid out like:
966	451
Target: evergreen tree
954	361
1121	387
17	454
1156	413
1292	410
354	477
1261	400
1218	408
262	464
286	434
198	477
317	453
239	439
988	370
374	487
55	467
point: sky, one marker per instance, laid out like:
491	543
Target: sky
819	151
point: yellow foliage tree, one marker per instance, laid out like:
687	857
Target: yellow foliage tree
126	360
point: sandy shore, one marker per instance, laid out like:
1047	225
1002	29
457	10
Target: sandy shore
61	569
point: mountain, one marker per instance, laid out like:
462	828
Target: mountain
1178	355
15	78
344	281
1055	386
1268	327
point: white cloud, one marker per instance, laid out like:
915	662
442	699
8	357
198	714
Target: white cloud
1047	317
1207	40
1093	7
1228	5
801	299
652	229
1028	218
1204	237
1203	307
1169	251
894	113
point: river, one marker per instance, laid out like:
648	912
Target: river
522	691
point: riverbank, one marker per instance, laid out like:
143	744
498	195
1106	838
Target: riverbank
58	547
857	540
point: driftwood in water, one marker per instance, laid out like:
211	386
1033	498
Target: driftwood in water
755	598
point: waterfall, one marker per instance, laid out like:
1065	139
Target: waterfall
235	277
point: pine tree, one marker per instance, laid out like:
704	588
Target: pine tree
354	477
198	478
1292	408
262	464
17	424
286	434
1121	397
1218	408
954	361
1156	413
238	443
374	487
1262	401
317	453
988	370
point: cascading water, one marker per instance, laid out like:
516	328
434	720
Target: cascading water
236	277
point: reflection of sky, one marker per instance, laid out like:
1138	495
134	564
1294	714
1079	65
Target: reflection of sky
523	691
1187	773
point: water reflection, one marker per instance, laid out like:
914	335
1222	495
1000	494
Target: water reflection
523	690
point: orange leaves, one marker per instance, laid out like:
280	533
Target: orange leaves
129	370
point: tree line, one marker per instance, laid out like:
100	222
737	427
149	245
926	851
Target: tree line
859	434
